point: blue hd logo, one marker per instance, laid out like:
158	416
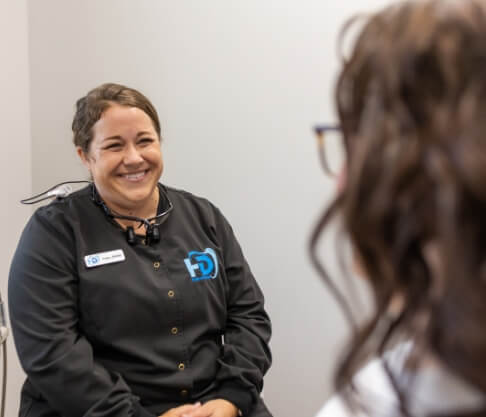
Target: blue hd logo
202	265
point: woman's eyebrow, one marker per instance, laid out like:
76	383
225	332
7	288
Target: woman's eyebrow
144	132
112	137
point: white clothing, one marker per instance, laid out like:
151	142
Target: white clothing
434	390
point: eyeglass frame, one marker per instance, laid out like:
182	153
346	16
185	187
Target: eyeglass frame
320	131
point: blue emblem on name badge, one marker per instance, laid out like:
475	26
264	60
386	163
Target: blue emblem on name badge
202	265
92	260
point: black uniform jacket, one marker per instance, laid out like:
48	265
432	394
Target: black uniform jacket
105	328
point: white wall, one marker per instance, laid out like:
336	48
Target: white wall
238	85
15	181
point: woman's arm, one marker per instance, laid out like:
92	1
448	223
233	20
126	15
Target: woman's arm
43	302
246	355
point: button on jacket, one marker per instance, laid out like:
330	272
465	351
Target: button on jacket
105	328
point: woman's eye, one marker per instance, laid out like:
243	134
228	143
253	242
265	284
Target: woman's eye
113	146
146	140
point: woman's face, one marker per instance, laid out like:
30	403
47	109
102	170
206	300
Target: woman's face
124	158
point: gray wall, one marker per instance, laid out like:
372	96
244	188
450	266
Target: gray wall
238	85
15	181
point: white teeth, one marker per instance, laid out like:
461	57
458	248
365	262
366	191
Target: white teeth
134	177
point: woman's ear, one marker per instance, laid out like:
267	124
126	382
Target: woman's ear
83	156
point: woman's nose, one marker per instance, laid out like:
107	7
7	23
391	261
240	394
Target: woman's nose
132	156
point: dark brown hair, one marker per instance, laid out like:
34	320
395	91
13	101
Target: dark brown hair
411	101
90	108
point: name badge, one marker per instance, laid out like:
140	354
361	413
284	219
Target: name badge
103	258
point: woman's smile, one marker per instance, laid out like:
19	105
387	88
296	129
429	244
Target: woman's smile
136	176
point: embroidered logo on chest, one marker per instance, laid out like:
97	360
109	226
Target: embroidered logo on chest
202	265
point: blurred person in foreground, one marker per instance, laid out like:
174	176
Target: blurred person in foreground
411	100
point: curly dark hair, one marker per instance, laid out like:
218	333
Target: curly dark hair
411	101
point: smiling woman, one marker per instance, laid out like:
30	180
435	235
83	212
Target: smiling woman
125	160
121	149
114	319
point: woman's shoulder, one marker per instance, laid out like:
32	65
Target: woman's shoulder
67	202
180	194
50	232
63	210
375	392
335	407
182	199
431	389
373	386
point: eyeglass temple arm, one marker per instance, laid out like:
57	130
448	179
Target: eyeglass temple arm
320	130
